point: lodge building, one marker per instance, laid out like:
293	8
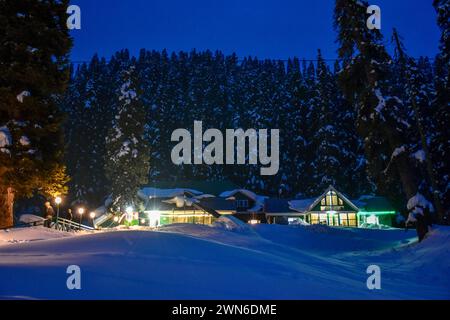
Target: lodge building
168	203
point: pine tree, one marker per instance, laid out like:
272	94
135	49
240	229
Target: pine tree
76	149
332	142
296	127
366	81
34	68
127	155
311	101
90	107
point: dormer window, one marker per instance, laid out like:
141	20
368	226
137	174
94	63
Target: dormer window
242	204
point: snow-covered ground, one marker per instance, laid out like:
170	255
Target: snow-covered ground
202	262
24	235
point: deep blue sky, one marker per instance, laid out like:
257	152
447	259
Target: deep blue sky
263	28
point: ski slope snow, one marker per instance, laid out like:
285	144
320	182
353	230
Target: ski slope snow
187	261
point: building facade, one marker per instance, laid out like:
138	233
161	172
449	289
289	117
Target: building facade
332	208
185	203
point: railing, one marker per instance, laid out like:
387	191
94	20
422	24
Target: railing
70	226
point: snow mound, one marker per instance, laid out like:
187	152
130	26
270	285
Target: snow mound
30	218
228	222
30	234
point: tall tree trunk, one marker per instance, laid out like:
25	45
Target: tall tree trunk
6	207
423	139
405	170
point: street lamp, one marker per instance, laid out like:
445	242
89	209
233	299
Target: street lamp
92	216
80	212
58	201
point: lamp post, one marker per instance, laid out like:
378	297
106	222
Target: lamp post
92	216
58	201
80	212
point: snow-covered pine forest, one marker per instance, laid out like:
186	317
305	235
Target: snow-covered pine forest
319	142
371	120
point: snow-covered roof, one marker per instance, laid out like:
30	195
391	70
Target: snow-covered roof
180	201
301	205
258	199
148	192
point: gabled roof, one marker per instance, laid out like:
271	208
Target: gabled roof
344	198
305	205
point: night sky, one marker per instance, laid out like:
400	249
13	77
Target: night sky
275	29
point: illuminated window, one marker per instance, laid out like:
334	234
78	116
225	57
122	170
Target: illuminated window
331	202
323	218
314	218
348	219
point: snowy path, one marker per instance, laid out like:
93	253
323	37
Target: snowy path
201	262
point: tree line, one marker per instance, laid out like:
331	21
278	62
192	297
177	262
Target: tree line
374	122
366	124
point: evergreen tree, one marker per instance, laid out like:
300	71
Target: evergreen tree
77	153
333	145
90	108
296	128
33	69
127	155
366	82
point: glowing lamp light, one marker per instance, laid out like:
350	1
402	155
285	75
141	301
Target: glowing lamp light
58	200
80	211
142	221
154	218
116	219
92	215
254	221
